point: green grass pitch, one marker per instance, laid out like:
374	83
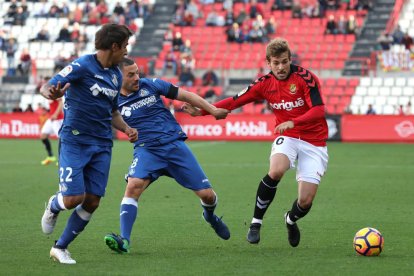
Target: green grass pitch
366	185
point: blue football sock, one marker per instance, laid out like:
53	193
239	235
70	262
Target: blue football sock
127	216
209	208
57	204
76	223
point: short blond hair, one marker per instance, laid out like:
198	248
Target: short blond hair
276	47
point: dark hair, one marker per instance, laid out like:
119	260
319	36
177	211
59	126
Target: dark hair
125	62
276	47
111	33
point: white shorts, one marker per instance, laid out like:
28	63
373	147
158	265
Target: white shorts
312	161
52	127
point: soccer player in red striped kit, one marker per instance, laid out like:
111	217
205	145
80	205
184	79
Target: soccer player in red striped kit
294	95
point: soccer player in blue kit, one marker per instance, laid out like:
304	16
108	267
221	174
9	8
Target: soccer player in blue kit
91	86
160	149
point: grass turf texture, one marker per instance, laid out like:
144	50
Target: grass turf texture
366	185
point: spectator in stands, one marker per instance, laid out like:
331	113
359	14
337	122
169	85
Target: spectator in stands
371	110
76	15
189	19
228	5
11	49
323	6
235	34
19	17
364	4
169	35
17	108
25	63
151	65
407	41
192	8
54	10
186	77
332	4
241	17
186	48
42	35
331	26
209	78
408	110
257	34
229	18
102	8
210	94
214	19
177	42
64	34
270	26
255	9
29	108
307	10
278	5
75	33
118	9
352	25
385	41
60	61
187	61
400	110
398	35
64	10
179	12
342	25
170	61
3	42
296	9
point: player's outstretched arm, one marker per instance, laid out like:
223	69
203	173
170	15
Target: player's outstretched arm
119	123
51	92
197	102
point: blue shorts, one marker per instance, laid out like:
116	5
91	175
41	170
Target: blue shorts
83	169
174	160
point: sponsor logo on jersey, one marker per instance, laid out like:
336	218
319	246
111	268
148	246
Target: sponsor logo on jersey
96	89
98	77
288	105
144	102
292	88
114	80
126	111
66	71
143	92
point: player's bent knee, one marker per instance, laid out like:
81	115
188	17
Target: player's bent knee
71	202
207	195
305	203
276	175
136	187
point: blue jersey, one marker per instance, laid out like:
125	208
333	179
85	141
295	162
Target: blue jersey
145	111
89	102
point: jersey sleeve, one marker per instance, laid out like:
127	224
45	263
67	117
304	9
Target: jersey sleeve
247	95
115	101
312	87
165	88
72	72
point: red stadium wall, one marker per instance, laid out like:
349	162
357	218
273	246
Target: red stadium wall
377	128
239	127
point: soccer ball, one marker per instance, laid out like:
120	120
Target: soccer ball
368	242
